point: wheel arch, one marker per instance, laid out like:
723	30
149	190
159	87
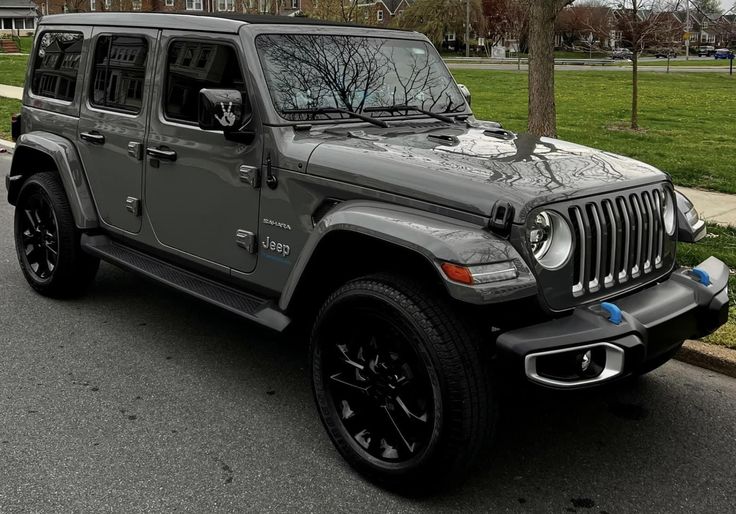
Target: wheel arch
43	151
361	237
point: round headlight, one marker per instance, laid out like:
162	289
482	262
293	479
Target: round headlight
668	213
550	239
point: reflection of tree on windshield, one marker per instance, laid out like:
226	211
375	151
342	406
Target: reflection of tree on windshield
353	73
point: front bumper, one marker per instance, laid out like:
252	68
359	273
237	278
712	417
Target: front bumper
653	324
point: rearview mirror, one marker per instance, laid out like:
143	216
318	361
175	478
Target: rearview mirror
221	109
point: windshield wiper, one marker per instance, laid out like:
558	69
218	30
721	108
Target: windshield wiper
338	110
400	107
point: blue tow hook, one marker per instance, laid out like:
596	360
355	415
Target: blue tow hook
614	313
701	276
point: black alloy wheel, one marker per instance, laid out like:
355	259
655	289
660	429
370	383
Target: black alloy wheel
378	386
400	383
39	234
47	240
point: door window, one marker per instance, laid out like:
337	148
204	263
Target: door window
56	65
194	65
118	73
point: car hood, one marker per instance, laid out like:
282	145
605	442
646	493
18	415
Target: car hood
472	168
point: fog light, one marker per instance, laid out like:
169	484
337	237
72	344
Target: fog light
585	360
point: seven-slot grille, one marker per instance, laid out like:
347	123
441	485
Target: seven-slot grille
617	239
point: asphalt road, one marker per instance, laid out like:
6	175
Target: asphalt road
137	398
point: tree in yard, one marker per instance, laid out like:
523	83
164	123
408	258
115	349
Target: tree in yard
640	22
707	6
435	18
542	110
587	22
504	20
343	11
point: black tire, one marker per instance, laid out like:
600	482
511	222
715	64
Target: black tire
47	241
409	342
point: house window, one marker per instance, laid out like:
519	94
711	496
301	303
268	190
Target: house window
108	4
136	5
451	36
295	4
379	15
186	77
92	6
194	5
169	3
119	71
56	65
225	5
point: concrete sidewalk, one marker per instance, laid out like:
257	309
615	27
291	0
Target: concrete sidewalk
11	92
713	207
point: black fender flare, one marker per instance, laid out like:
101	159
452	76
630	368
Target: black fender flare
436	237
69	166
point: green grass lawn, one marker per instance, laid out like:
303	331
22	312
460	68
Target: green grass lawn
13	69
688	120
8	107
721	242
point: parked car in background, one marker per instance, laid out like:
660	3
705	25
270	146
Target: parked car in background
723	53
621	54
665	54
706	51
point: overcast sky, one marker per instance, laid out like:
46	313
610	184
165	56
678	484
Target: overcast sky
727	4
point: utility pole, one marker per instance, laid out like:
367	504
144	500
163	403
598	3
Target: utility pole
467	28
687	30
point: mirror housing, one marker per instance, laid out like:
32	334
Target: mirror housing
465	91
221	109
690	228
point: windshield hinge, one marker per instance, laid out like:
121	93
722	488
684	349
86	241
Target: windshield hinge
271	180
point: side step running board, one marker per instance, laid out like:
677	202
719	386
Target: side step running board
243	304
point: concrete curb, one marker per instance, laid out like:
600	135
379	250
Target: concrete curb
709	356
6	145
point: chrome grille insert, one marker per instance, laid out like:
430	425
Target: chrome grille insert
617	239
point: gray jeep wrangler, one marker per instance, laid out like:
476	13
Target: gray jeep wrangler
289	171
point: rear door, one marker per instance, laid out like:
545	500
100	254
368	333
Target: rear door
197	196
112	122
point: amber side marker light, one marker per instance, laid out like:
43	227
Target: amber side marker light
482	274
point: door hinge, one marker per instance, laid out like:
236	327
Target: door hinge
250	175
135	150
133	205
246	239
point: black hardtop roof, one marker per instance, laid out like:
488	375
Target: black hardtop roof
188	20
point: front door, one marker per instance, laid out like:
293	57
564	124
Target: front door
196	199
112	121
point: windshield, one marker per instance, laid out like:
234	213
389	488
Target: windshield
308	75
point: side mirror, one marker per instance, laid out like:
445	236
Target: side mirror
465	91
690	228
221	109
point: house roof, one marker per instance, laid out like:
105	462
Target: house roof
17	4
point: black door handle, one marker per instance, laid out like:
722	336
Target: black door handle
93	137
161	153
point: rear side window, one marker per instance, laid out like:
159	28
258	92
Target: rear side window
193	65
118	73
57	64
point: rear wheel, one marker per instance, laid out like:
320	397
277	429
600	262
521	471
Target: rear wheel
399	383
47	241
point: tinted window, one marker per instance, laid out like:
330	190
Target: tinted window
194	65
56	65
118	73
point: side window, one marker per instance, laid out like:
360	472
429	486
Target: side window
118	72
194	65
56	65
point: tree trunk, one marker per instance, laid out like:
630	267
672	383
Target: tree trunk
635	90
542	111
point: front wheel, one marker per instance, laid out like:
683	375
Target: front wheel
400	383
47	241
